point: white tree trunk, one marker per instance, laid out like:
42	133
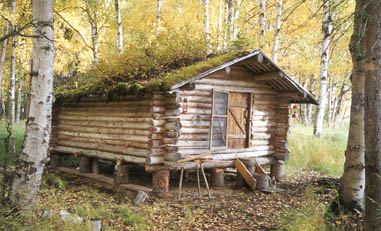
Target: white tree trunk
219	27
119	39
19	100
30	166
206	22
277	31
231	20
158	15
353	180
327	30
12	78
262	23
94	30
236	18
309	106
2	61
226	24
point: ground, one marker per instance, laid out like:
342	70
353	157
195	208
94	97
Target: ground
228	209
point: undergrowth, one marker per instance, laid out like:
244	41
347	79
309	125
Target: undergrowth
324	154
18	133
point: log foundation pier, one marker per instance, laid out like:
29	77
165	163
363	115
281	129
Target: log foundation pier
160	181
121	174
217	177
277	170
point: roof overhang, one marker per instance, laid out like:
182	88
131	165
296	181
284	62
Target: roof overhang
263	70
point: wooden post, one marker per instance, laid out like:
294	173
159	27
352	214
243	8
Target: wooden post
54	160
181	182
218	177
95	166
198	180
160	181
263	181
206	181
84	164
277	171
250	165
121	174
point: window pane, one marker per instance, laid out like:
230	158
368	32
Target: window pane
220	103
219	132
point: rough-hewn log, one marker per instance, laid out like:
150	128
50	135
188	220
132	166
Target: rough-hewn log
105	136
172	156
160	181
95	166
121	174
277	171
150	160
173	134
84	164
217	177
172	126
263	181
172	112
100	154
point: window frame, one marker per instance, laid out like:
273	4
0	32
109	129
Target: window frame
213	115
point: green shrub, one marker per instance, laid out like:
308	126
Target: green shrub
324	154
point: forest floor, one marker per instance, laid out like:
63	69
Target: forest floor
228	209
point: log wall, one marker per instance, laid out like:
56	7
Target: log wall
126	130
269	119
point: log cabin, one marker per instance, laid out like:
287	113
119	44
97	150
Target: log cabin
236	110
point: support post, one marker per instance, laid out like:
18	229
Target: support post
95	166
160	181
84	164
277	170
121	174
54	160
218	177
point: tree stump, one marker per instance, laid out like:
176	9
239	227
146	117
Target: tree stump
84	164
55	160
263	181
277	171
160	181
250	165
218	177
121	174
95	166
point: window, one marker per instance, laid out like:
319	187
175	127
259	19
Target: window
219	120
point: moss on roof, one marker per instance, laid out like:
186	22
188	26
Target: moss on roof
117	88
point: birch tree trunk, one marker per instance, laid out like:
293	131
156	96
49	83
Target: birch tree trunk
158	15
12	78
30	166
277	31
322	101
119	39
309	106
206	22
373	118
236	18
219	27
231	20
262	23
92	15
2	61
19	100
226	24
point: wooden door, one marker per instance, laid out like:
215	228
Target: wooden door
238	120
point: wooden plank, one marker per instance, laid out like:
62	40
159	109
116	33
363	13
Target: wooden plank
241	168
194	157
236	120
259	169
105	179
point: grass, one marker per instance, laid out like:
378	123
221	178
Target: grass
17	132
324	154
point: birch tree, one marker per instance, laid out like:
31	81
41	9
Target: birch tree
119	39
277	31
226	24
353	180
373	117
30	165
92	14
236	19
2	61
231	20
219	26
12	78
322	101
262	23
19	99
205	3
158	15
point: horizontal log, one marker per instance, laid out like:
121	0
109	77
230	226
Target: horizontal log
106	136
172	156
157	123
268	76
215	164
234	89
136	129
151	160
173	134
170	140
106	148
156	130
174	99
128	117
172	112
202	93
156	136
233	83
196	105
172	126
100	154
